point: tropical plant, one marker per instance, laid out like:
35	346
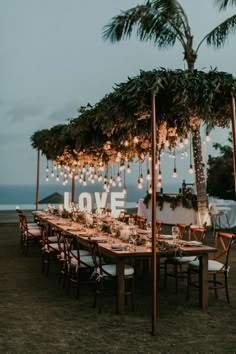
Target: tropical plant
220	172
165	22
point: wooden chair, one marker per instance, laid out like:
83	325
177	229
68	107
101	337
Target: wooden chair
218	266
104	273
22	222
30	235
50	248
79	263
193	233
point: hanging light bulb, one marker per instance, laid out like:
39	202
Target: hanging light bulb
207	137
150	189
57	178
174	175
190	169
92	180
118	178
84	182
159	175
167	143
148	175
128	170
140	185
119	183
52	173
159	183
113	182
122	166
124	190
46	179
141	178
181	144
186	139
99	178
76	176
47	169
95	175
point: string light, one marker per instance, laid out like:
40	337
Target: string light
190	170
186	139
207	137
128	170
174	175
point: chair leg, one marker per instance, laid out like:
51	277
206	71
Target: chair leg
215	285
132	294
188	284
165	274
176	278
226	287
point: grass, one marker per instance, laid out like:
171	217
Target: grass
37	316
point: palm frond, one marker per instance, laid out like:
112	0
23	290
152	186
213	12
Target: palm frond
160	21
223	4
218	36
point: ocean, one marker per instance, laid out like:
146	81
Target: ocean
24	196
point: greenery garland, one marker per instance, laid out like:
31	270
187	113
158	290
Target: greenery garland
186	200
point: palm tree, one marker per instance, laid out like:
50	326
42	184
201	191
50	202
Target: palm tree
165	22
218	36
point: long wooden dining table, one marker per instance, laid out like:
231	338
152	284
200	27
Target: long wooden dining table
121	256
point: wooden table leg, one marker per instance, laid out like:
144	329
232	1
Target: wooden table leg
203	282
120	288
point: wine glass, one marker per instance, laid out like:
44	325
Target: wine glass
175	233
113	230
133	238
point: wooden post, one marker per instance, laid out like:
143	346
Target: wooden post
153	200
233	122
37	181
73	188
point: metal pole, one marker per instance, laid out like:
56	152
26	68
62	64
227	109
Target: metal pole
153	200
37	181
233	121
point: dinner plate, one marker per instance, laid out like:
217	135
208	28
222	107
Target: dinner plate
192	243
119	247
144	232
165	237
99	239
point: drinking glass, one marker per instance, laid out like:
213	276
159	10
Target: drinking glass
175	233
133	238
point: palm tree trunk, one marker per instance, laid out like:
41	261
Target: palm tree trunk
200	181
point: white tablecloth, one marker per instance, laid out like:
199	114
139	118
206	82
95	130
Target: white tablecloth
229	209
168	215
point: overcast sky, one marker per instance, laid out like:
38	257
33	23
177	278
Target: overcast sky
53	60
